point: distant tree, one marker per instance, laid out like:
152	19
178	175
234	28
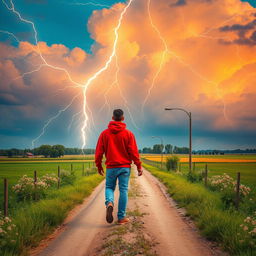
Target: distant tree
57	151
158	148
146	150
168	148
45	150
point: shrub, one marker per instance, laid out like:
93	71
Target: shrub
227	186
67	177
193	176
25	189
8	232
50	179
248	231
172	163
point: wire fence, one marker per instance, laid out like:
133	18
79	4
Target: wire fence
31	185
202	172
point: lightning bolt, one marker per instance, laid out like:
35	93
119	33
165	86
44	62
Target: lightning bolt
91	3
165	51
53	118
73	118
101	70
44	64
180	60
10	34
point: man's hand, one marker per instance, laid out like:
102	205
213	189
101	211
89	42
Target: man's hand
101	171
140	172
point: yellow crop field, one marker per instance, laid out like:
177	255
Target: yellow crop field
208	159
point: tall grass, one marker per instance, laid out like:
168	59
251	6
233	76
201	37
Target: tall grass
35	221
206	208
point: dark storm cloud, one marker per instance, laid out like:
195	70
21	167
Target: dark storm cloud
179	3
8	99
239	27
246	34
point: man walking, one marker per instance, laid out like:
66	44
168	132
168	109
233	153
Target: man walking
120	149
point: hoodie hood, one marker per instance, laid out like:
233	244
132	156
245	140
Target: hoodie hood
116	126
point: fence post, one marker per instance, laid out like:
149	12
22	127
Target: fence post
237	190
83	170
206	175
35	181
58	176
5	197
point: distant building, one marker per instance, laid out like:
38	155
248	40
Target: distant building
28	154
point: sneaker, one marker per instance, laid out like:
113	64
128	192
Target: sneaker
109	215
123	221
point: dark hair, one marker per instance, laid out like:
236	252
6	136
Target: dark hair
118	114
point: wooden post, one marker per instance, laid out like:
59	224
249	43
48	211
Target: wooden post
206	175
5	197
83	170
35	181
237	190
58	176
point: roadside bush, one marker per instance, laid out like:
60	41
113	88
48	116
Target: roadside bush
194	177
227	186
172	163
8	232
67	177
50	179
248	232
25	189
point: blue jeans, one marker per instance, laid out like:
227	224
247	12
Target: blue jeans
123	175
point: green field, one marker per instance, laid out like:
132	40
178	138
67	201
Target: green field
247	170
14	170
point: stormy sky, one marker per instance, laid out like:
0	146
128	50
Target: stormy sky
199	55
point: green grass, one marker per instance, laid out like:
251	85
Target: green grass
15	170
37	220
206	208
247	170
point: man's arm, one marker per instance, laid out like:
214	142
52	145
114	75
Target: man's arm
99	155
134	153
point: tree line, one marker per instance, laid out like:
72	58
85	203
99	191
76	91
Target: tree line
46	151
167	149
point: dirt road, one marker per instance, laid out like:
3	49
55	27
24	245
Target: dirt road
166	230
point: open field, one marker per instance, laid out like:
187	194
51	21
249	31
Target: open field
14	170
247	169
234	158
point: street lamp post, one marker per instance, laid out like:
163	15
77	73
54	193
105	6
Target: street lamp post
190	133
161	150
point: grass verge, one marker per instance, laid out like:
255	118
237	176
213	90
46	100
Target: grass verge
37	220
207	210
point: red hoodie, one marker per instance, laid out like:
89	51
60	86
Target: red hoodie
119	146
